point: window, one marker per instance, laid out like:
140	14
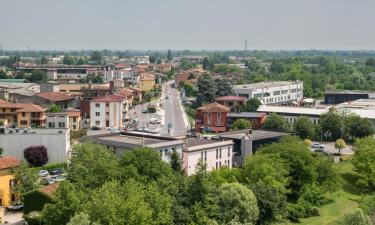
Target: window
276	93
107	105
74	119
161	153
217	153
107	114
97	123
97	105
258	95
74	127
220	164
220	153
12	110
61	125
205	155
23	114
208	118
51	125
97	114
228	163
202	155
23	122
216	165
165	151
228	151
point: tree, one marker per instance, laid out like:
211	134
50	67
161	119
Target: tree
176	162
224	87
189	90
186	64
152	59
91	165
36	155
331	125
96	56
253	65
275	122
236	203
357	127
80	219
159	61
304	127
252	105
363	161
340	144
169	55
206	89
20	75
55	108
198	185
3	75
26	179
207	64
370	62
69	60
37	76
241	124
43	60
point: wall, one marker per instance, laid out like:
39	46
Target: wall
101	117
58	145
5	187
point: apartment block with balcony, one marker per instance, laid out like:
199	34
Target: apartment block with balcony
22	115
211	118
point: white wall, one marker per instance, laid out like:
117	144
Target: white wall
57	144
93	117
115	111
56	119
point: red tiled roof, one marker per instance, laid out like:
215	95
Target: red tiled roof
108	98
9	162
214	107
231	98
55	96
3	101
49	189
29	107
125	93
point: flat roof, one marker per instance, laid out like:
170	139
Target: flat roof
246	115
255	134
293	110
266	84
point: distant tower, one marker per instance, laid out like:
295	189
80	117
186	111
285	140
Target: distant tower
245	44
1	49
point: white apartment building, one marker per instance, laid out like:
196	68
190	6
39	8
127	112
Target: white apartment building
107	111
57	142
271	92
214	153
57	120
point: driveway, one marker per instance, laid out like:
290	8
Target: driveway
13	218
329	147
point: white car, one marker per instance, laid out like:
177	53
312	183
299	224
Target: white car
43	173
317	146
154	120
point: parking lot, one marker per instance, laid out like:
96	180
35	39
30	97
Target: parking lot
329	147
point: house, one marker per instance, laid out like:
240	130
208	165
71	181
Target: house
56	98
211	118
271	92
214	153
7	196
107	111
235	103
22	114
255	118
74	118
186	77
146	82
16	92
70	118
57	142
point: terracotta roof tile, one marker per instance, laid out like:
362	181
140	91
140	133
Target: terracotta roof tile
214	107
231	98
55	96
108	98
9	162
49	189
29	107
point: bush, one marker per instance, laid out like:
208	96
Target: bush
33	218
355	217
77	134
52	166
314	195
36	155
367	204
34	201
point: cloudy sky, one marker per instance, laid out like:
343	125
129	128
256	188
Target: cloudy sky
187	24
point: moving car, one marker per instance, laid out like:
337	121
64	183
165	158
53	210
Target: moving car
144	111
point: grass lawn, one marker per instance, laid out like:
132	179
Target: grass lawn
344	200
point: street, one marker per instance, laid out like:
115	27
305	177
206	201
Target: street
170	114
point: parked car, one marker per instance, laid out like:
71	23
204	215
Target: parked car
47	181
58	178
57	171
144	111
15	207
317	145
154	120
167	97
43	173
95	128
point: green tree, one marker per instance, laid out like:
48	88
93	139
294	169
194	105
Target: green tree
26	179
80	219
37	76
357	127
3	75
152	59
198	186
236	203
96	56
176	162
186	64
224	87
189	90
355	217
363	161
331	125
275	122
340	144
304	127
69	60
55	108
169	56
206	89
91	165
20	75
241	124
43	60
252	105
370	62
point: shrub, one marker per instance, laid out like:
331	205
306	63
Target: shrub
36	155
34	201
33	218
367	204
52	166
355	217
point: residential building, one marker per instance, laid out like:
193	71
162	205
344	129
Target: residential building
271	92
215	154
16	91
107	111
22	114
74	118
211	118
235	103
338	97
255	118
246	142
57	120
54	98
7	196
146	82
50	86
57	142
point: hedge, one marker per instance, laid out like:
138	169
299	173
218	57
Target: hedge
34	201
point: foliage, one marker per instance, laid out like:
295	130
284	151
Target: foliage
275	122
206	89
80	219
224	175
69	60
37	76
176	162
77	134
96	56
340	144
26	179
241	124
34	201
357	127
224	87
304	127
252	105
186	64
92	165
3	75
367	204
363	162
355	217
36	155
54	108
189	90
331	124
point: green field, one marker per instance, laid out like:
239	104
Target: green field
343	200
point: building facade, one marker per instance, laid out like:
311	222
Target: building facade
235	103
107	111
7	196
211	118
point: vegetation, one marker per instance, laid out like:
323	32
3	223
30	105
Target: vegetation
275	122
54	108
241	124
36	155
252	105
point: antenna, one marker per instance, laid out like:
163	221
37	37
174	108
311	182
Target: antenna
245	44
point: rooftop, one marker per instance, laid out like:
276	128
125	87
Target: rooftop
255	134
247	115
9	162
293	110
55	96
214	107
108	98
49	189
230	98
265	84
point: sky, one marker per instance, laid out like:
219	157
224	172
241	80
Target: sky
187	24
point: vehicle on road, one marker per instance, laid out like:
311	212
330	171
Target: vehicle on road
43	173
317	146
58	178
167	97
320	151
15	207
154	120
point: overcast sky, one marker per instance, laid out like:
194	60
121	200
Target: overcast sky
187	24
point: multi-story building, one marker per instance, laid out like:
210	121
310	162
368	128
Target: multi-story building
7	196
215	154
22	114
337	97
271	92
235	103
211	118
146	82
57	142
107	111
256	118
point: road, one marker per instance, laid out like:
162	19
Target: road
170	114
